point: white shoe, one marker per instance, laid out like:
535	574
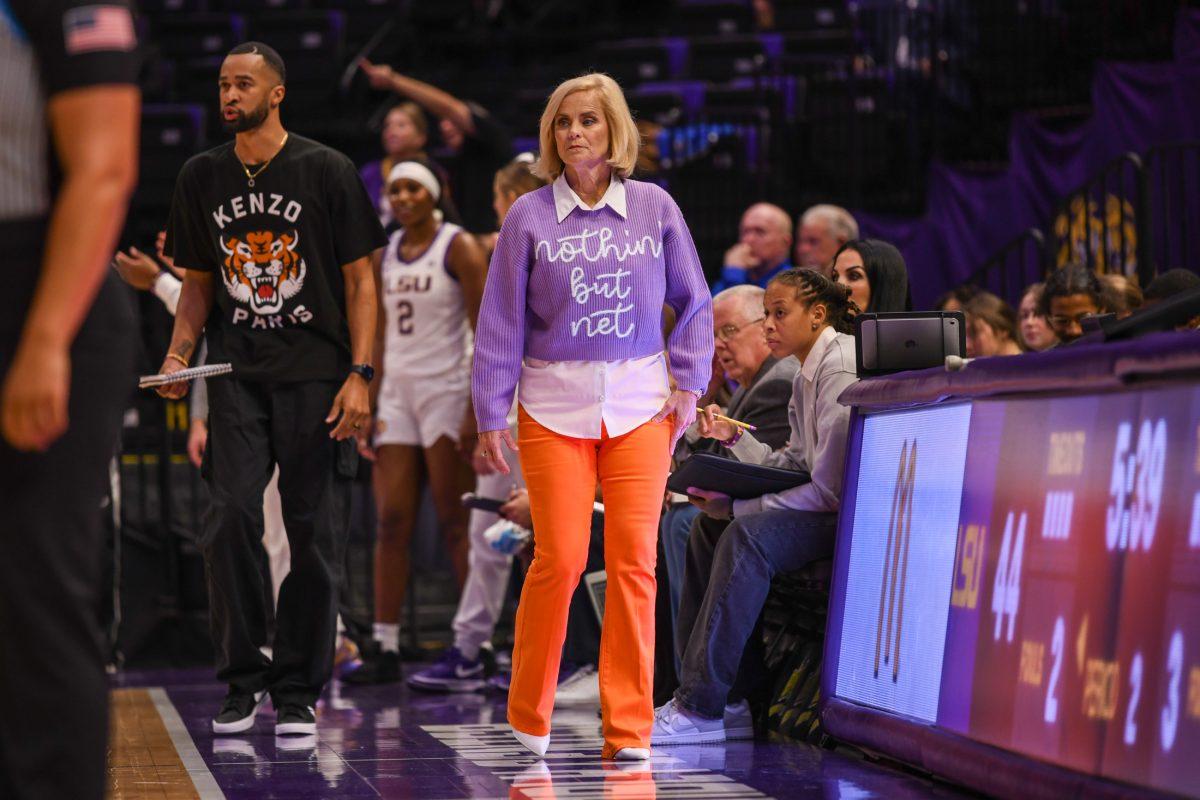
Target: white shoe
633	754
739	722
581	689
538	745
675	725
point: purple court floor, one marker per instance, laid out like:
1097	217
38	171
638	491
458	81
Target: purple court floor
394	743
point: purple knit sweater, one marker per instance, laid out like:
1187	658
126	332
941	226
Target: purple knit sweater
590	288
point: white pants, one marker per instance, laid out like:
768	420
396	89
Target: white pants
487	569
279	555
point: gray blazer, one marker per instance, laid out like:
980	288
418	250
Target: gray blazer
763	403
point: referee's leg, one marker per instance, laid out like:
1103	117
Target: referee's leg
53	690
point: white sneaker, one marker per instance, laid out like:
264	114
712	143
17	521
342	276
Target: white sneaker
581	689
538	745
633	754
739	722
675	725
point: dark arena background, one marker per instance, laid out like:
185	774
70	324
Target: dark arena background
1012	608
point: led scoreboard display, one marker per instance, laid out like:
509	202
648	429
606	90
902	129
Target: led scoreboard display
1026	573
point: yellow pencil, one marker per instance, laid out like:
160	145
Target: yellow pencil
738	423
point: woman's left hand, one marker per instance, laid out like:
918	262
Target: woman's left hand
682	406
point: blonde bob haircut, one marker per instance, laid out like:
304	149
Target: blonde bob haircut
623	138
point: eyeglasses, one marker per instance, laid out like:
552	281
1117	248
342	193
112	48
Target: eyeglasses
727	332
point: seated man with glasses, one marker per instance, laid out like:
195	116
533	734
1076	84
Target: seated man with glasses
764	388
1072	292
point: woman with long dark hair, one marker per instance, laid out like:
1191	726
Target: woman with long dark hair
875	273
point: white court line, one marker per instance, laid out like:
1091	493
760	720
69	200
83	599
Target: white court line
193	762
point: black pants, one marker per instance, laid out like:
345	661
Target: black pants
53	691
253	427
726	579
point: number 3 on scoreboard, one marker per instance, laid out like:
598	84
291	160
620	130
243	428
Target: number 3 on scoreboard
1006	588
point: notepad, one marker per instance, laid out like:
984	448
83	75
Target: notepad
732	477
191	373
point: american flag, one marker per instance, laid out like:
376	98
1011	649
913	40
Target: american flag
91	28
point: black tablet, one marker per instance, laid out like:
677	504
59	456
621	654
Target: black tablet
732	477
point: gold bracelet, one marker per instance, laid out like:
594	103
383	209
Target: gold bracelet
178	358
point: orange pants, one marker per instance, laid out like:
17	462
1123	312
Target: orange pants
561	474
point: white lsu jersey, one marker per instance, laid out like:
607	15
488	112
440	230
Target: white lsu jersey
427	330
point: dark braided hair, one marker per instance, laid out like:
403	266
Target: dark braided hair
813	288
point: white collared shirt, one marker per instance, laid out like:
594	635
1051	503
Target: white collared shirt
581	399
566	201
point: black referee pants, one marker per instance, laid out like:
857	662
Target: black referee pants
252	427
53	691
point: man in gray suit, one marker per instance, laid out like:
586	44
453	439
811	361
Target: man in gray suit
764	390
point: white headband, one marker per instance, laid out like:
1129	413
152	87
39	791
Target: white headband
419	173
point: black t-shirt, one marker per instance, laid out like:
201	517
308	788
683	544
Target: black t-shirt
278	249
473	169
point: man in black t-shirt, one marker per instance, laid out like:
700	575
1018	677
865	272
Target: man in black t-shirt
276	234
478	144
67	70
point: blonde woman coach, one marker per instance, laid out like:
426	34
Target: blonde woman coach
572	312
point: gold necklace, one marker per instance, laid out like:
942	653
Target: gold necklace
250	177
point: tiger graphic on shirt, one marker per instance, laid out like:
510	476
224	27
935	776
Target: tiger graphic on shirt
263	268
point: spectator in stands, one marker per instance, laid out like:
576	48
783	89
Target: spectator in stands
764	387
478	144
991	327
1122	295
404	135
461	667
875	273
573	302
1169	284
1036	333
431	283
763	248
956	298
1072	292
730	565
823	229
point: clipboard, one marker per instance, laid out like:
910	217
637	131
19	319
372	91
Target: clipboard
191	373
732	477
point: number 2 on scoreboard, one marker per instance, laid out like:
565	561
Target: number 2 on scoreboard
1006	588
1057	646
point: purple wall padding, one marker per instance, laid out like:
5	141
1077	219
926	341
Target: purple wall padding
987	769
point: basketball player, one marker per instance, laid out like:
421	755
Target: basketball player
68	74
276	235
431	280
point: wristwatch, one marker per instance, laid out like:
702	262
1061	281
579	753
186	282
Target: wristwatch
366	370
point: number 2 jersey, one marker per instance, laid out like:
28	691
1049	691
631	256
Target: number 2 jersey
426	330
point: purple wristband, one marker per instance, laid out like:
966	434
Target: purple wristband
732	440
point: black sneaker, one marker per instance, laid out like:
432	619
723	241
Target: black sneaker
379	667
293	719
238	711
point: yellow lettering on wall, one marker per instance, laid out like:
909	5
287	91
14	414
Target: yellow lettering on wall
1032	658
971	539
1100	686
1193	695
